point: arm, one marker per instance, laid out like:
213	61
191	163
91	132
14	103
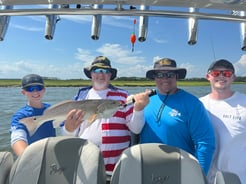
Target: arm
137	120
18	141
19	147
203	137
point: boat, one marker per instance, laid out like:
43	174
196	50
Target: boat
192	10
72	160
68	160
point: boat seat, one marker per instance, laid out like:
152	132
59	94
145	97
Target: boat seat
6	162
63	159
231	159
223	177
157	163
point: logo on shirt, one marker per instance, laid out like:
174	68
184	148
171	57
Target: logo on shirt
174	113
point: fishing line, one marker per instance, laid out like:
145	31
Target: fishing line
212	47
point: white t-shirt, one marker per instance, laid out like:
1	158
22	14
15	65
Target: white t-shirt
85	130
228	117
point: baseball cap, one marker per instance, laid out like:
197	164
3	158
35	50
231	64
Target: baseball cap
32	79
221	63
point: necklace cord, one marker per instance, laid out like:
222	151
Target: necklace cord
158	116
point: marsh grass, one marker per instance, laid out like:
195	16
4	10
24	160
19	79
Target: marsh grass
78	82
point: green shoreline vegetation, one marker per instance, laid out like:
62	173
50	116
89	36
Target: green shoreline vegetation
124	81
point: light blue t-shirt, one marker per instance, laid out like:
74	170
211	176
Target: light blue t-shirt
182	122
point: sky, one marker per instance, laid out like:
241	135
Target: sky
25	50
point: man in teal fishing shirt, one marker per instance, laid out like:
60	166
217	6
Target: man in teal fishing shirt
176	117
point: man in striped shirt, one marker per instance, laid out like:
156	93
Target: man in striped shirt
111	135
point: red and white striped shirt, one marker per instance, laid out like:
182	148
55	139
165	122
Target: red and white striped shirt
112	135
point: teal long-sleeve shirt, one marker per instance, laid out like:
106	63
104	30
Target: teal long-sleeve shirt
182	122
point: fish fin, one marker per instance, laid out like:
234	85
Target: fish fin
57	123
92	118
30	124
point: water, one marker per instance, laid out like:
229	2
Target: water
11	100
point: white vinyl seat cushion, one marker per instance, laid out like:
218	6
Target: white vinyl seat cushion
63	160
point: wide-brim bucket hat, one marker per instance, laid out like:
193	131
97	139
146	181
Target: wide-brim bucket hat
100	62
166	64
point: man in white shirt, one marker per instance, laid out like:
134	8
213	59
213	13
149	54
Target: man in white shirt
227	109
111	135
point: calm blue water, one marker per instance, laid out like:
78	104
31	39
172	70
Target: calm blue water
11	100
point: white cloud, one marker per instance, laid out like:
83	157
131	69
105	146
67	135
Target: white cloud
134	70
22	68
127	63
119	54
84	55
27	28
160	41
116	21
156	58
240	66
77	18
18	69
192	70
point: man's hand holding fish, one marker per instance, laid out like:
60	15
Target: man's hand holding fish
74	118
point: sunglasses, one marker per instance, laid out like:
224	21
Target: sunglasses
225	73
34	88
168	75
100	70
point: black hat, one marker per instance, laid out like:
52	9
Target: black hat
32	79
166	64
221	63
100	62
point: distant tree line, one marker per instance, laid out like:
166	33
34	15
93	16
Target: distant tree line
238	79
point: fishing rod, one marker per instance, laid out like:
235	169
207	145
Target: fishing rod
131	100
